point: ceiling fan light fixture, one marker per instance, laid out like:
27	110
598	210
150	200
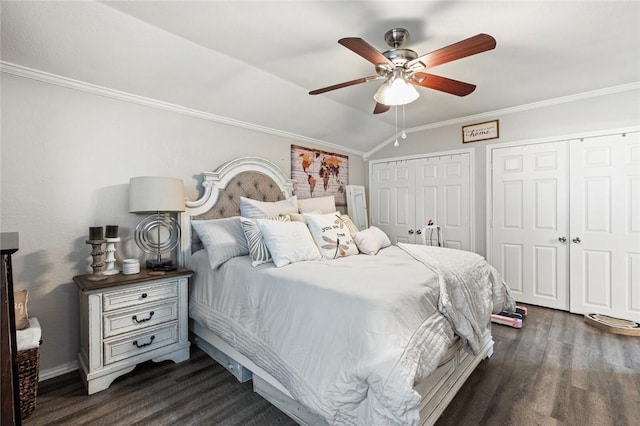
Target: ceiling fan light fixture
396	91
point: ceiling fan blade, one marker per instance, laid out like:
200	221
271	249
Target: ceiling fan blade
470	46
442	84
345	84
380	108
364	49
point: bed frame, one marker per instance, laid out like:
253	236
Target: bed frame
260	179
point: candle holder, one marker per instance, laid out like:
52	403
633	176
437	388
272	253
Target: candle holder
98	260
110	261
96	233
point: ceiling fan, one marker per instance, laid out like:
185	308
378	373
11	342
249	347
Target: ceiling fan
402	68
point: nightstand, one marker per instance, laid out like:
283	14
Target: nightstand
129	319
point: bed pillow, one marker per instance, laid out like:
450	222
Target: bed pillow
371	240
258	250
299	217
331	235
288	242
223	239
20	304
323	204
347	221
263	209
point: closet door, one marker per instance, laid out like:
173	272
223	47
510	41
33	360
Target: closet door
392	199
443	195
605	226
405	194
530	240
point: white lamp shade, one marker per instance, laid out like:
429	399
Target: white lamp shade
396	92
156	194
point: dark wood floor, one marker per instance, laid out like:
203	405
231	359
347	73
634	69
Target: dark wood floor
555	371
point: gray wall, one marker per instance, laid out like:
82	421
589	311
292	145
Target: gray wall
66	160
554	119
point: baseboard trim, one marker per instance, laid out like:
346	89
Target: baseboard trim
50	373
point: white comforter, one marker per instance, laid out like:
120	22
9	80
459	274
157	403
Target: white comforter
348	337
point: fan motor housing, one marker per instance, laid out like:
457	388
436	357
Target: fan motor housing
396	38
400	56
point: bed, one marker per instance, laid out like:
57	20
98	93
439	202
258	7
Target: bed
381	338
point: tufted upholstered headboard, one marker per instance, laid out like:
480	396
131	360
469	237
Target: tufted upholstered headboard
250	177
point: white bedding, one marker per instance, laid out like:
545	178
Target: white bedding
348	337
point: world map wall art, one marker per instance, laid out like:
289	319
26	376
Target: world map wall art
319	173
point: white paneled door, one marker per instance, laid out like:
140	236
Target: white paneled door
392	199
605	226
566	223
443	195
406	194
530	233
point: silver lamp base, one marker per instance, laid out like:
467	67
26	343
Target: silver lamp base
148	237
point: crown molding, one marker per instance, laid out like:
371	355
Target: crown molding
30	73
45	77
511	110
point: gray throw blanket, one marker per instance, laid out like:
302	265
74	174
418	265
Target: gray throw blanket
470	289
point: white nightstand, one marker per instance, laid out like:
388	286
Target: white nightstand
129	319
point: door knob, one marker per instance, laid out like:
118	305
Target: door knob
410	231
419	231
577	240
562	239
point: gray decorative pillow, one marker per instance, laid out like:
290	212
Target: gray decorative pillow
258	250
223	239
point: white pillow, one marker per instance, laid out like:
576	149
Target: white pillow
299	217
258	250
331	235
371	240
223	239
323	204
262	209
288	242
352	226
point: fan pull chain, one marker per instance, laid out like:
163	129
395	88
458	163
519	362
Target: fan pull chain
404	134
396	143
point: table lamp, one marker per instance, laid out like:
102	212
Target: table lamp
157	233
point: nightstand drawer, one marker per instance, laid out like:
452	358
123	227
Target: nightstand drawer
143	316
140	343
124	298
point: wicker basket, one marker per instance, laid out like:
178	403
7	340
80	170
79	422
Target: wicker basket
28	372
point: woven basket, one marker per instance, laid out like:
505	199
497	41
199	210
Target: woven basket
28	372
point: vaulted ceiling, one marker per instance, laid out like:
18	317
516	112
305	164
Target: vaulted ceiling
255	62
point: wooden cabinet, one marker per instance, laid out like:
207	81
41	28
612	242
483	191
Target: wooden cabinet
128	319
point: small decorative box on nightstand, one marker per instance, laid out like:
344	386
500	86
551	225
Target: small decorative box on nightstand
129	319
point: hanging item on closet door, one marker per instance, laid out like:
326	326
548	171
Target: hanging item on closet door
431	235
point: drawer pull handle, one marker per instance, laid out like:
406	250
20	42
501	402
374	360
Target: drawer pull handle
135	342
144	295
135	318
